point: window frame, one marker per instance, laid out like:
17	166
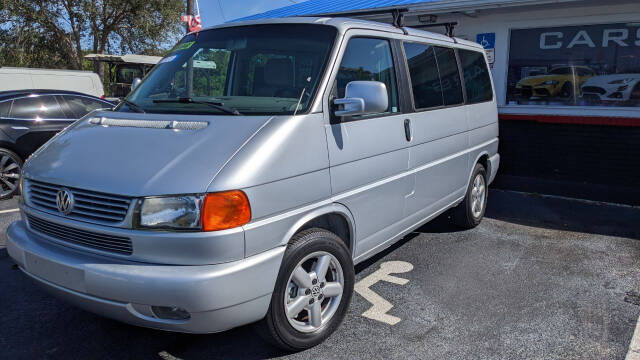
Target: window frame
410	84
486	64
400	80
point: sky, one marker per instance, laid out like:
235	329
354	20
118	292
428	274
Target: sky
211	14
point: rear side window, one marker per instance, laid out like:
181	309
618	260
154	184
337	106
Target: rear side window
81	106
368	59
36	108
449	76
423	69
477	82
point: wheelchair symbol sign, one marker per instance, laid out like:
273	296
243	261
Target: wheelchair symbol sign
487	40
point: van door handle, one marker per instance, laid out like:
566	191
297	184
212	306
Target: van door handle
407	129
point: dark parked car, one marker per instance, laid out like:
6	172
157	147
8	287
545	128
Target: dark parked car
28	118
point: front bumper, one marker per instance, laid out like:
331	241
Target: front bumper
218	297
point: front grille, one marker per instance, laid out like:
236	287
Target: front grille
112	243
88	205
594	89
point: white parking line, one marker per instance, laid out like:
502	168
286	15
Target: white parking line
8	211
380	306
634	347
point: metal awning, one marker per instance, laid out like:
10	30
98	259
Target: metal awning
129	58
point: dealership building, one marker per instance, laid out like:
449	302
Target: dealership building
567	79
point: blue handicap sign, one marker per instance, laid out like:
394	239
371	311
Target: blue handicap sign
487	40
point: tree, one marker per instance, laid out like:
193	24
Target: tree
56	33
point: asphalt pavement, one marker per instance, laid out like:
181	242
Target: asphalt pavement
540	278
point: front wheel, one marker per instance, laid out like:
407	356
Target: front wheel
312	292
10	165
469	213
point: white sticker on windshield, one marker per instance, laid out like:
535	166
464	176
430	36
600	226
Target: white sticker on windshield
168	59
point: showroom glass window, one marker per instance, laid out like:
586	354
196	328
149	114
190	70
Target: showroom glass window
586	65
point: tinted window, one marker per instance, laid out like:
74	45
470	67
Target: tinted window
449	76
37	107
423	69
5	106
81	106
368	59
476	76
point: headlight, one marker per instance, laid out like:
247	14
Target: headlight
179	212
210	212
550	82
621	81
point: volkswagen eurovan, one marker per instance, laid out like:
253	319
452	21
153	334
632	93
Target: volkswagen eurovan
252	168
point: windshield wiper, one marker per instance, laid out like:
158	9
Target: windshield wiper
214	104
133	105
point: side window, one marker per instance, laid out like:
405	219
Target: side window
81	106
476	76
36	108
368	59
5	106
423	70
449	76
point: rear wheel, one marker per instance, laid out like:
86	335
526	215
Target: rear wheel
469	213
312	292
10	166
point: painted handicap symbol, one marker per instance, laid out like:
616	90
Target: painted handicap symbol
380	306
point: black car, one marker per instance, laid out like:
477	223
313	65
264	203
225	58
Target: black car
28	118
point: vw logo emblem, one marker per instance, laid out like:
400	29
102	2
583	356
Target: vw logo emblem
64	200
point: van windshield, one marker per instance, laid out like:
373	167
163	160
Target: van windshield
258	70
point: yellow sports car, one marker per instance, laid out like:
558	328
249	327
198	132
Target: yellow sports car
562	81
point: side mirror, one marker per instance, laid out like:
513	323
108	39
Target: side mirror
363	97
135	83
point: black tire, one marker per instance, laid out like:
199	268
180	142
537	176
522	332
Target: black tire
10	167
463	214
567	90
275	327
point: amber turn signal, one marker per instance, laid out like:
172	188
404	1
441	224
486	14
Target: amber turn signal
225	210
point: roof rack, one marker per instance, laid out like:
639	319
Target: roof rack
449	27
396	13
398	19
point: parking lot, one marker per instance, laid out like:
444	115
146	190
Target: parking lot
540	278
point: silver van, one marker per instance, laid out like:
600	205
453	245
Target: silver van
252	168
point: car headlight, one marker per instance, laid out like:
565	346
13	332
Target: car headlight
209	212
550	82
175	212
621	81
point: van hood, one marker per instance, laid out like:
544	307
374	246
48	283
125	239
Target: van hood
142	154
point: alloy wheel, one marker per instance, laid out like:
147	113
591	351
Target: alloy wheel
478	196
314	291
9	174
